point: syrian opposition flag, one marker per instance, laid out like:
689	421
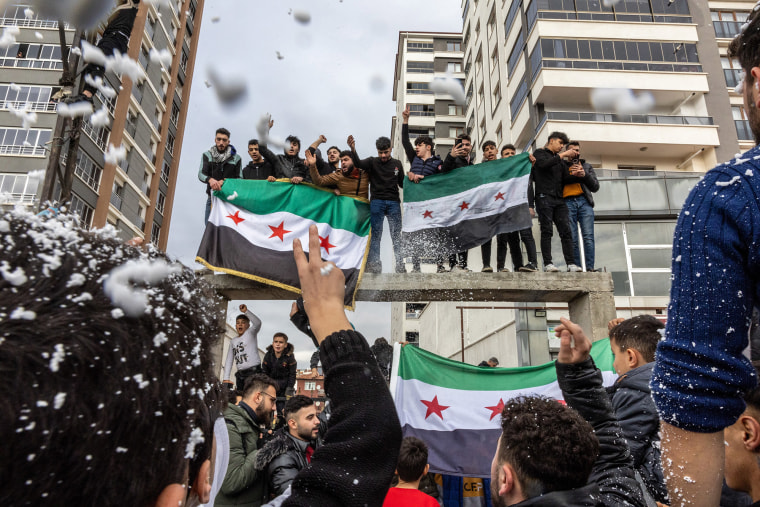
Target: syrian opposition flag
253	223
455	408
462	209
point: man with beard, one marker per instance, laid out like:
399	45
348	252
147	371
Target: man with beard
244	484
217	164
715	262
292	446
333	157
349	180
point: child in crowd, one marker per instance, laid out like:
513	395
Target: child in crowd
633	343
412	466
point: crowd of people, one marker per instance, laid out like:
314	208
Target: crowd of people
560	191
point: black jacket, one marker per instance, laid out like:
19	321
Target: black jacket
451	163
612	481
282	370
282	458
637	415
589	183
286	166
229	169
258	171
548	173
426	167
385	178
356	463
383	353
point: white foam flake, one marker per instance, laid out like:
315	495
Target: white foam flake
141	383
100	118
163	57
449	86
302	16
231	89
58	356
114	155
233	196
118	286
117	313
16	277
74	110
76	280
85	296
160	339
99	84
25	114
196	437
28	13
59	400
727	183
121	450
20	313
749	173
621	101
8	37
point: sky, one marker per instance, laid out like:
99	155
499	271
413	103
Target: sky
336	79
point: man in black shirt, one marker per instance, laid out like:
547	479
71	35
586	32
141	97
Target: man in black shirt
257	168
459	156
548	173
386	176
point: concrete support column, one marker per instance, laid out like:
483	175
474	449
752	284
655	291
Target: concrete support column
592	311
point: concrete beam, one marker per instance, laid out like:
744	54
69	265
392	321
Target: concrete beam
589	295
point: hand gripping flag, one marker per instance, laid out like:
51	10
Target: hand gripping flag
252	226
462	209
455	408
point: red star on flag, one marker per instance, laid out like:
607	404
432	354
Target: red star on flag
498	196
427	214
496	409
236	217
279	231
433	407
325	243
465	205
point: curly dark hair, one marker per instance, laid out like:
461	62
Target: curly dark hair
105	368
550	446
641	333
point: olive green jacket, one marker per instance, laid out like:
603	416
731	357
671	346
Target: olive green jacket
243	484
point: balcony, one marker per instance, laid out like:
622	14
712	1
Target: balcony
660	136
116	201
727	29
38	107
743	130
733	77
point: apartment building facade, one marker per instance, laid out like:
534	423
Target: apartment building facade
530	68
148	118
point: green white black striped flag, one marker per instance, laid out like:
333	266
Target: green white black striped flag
252	226
459	210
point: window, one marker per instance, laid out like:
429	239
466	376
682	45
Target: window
83	210
455	132
514	55
421	110
117	195
131	123
87	170
165	172
419	67
170	143
155	234
418	88
743	130
175	113
417	132
17	141
491	27
157	117
138	89
18	188
728	24
732	71
455	110
514	8
150	27
453	67
419	47
309	386
495	59
481	95
482	128
33	56
453	46
496	96
469	95
160	202
99	135
37	97
183	61
413	338
144	57
498	134
517	99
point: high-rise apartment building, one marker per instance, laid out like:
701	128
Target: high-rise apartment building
530	69
147	118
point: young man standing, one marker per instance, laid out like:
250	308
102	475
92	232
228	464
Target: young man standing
424	163
548	173
386	176
333	157
288	165
459	156
580	181
292	446
218	164
526	235
257	168
244	349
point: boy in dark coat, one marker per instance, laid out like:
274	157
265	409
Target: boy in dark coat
633	344
279	364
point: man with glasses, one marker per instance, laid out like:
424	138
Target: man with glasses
243	484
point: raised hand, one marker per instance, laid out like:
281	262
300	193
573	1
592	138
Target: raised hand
405	114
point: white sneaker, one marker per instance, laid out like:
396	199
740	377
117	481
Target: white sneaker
551	268
574	268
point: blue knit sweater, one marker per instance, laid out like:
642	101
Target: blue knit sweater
700	372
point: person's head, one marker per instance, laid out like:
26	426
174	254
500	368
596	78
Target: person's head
111	347
381	341
279	342
346	161
634	341
242	323
383	145
333	155
292	146
490	152
260	393
466	143
508	150
743	445
493	362
222	139
423	146
557	141
412	460
531	460
300	415
253	150
745	47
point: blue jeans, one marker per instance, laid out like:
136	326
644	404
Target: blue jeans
380	209
208	209
581	212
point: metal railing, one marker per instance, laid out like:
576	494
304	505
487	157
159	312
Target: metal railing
91	179
658	119
727	29
11	198
116	201
12	149
93	134
31	23
743	130
40	107
29	63
621	65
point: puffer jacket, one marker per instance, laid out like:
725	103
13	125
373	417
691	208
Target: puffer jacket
425	167
281	458
282	370
243	484
637	415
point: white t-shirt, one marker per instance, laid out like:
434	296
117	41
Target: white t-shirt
244	349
